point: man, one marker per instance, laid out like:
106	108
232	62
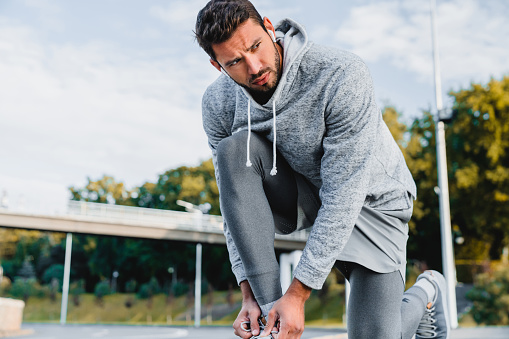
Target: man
298	141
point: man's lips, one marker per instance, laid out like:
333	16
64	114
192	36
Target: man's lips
261	80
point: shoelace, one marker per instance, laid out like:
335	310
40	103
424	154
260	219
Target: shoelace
427	327
247	328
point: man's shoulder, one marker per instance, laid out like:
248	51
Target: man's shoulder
222	86
221	92
330	57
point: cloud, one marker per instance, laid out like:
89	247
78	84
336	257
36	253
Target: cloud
88	109
179	14
47	12
473	36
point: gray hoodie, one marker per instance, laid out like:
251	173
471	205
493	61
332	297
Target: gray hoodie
330	130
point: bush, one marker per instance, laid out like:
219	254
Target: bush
55	271
180	288
77	288
490	296
147	290
101	289
26	288
130	286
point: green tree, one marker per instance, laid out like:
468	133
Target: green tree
478	144
478	171
104	190
196	185
398	129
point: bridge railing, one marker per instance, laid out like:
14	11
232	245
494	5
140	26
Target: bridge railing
161	218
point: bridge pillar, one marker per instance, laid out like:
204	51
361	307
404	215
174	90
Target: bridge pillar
287	263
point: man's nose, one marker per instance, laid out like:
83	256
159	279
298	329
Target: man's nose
253	65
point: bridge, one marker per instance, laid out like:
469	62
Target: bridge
136	222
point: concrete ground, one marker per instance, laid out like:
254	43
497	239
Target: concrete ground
52	331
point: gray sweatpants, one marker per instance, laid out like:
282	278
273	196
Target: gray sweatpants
255	205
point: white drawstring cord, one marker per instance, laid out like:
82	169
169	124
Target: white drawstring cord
248	162
273	171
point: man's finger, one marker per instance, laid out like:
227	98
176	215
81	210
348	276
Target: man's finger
255	328
271	322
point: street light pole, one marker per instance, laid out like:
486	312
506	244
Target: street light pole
443	184
197	282
67	273
197	287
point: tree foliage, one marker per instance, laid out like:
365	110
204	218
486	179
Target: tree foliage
104	190
196	185
490	297
146	260
478	144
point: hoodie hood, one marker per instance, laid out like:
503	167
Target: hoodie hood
294	40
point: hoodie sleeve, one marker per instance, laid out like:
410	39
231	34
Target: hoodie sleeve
215	131
351	119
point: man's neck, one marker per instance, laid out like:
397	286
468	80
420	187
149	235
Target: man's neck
261	97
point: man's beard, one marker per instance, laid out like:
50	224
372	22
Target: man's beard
263	95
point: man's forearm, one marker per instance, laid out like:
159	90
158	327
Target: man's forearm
298	290
247	292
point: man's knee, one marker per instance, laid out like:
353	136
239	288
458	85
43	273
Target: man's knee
235	147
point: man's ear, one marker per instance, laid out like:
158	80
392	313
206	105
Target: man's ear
215	64
268	25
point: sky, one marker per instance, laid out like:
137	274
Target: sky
114	87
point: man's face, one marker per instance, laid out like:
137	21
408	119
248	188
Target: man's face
250	58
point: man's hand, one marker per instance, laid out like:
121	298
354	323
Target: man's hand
250	311
289	311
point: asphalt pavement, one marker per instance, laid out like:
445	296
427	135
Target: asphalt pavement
53	331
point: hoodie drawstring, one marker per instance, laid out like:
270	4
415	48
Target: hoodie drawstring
248	162
273	171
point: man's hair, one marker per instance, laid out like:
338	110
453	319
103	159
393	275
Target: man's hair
217	21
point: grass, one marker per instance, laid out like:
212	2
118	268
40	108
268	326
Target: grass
324	312
112	309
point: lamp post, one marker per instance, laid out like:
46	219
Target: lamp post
197	282
114	282
173	271
443	191
67	273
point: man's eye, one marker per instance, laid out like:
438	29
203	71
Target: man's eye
257	45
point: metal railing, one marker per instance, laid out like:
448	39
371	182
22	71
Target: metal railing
156	217
146	216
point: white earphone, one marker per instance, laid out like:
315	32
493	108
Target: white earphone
272	36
